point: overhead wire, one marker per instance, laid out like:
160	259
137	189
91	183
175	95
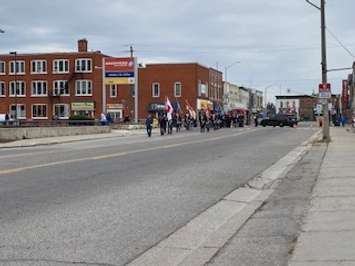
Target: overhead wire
340	43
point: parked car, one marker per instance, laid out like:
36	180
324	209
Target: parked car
280	120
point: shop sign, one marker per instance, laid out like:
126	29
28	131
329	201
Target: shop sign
204	104
82	106
114	106
156	107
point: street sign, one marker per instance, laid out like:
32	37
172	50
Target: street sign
324	91
324	87
324	95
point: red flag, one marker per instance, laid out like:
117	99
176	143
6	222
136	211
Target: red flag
168	107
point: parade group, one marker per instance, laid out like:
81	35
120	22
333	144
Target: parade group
207	119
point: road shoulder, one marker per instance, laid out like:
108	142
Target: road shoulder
206	235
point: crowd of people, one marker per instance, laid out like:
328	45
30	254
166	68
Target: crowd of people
206	120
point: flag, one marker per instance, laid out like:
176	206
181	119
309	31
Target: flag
190	110
178	107
168	107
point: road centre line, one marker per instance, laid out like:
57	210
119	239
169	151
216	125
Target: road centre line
39	152
120	154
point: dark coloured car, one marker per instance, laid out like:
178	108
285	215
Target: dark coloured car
280	120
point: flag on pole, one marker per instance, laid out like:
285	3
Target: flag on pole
178	107
190	109
168	107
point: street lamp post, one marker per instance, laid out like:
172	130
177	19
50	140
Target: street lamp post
16	87
228	67
265	94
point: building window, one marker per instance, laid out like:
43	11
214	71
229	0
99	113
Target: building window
177	89
18	111
61	111
61	88
83	65
39	88
39	67
2	89
61	66
113	91
20	67
39	111
83	88
18	89
2	68
155	89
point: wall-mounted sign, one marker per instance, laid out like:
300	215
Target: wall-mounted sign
115	106
204	104
83	106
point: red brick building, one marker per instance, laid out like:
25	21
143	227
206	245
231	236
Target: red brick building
59	85
51	85
200	86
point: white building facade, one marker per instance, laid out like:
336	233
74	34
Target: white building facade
235	97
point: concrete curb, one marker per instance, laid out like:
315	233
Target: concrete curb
198	241
270	177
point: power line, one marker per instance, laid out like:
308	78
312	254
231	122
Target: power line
340	43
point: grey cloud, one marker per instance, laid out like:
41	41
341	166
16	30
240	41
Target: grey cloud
277	41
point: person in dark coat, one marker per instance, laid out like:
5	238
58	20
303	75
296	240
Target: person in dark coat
162	124
7	119
149	125
178	122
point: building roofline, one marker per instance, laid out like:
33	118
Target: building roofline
53	53
182	63
299	96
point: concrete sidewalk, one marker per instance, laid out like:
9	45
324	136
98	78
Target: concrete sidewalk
328	232
67	139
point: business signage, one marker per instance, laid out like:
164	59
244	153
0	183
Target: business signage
345	94
83	106
204	104
115	106
119	70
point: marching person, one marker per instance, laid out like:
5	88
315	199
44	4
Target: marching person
178	122
162	124
149	125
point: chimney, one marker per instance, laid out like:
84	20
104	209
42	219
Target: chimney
82	46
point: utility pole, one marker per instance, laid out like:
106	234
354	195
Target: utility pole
326	135
131	51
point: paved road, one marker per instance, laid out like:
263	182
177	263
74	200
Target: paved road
104	202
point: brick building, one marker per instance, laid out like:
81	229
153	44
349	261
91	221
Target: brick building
58	85
200	86
51	85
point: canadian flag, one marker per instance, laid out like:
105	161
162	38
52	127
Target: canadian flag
168	107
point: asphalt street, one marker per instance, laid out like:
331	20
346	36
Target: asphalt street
104	202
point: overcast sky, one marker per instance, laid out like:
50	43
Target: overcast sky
276	41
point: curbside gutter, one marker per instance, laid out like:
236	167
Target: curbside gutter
197	242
